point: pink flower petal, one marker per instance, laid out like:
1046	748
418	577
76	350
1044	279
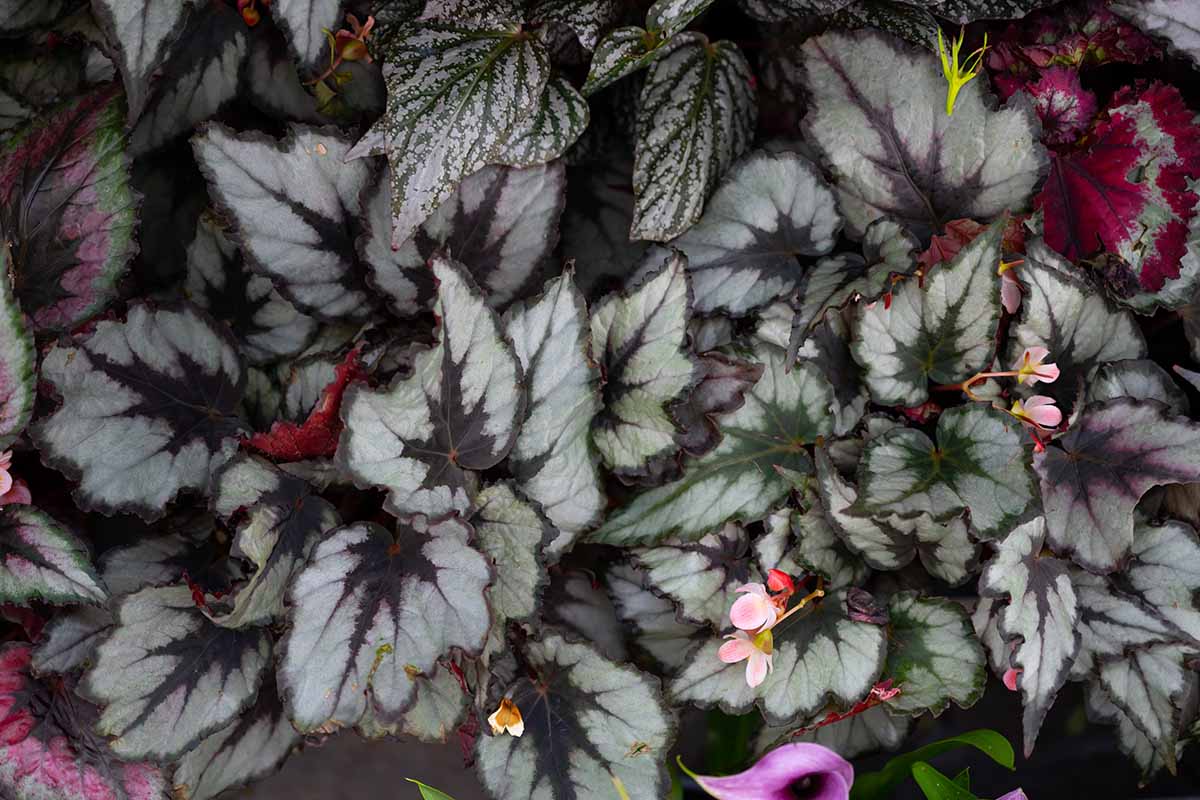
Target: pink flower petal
736	650
757	668
1010	294
6	481
752	611
1010	678
1041	409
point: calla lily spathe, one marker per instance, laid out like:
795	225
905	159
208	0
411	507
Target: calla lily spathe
800	770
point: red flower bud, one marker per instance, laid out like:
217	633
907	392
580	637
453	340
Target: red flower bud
251	16
778	581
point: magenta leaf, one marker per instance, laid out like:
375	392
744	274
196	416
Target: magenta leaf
1127	194
1064	106
48	748
68	211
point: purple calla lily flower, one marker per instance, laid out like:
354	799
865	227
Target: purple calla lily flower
801	770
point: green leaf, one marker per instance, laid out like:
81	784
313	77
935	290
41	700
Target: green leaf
978	465
696	116
879	785
428	792
933	655
783	413
937	786
944	331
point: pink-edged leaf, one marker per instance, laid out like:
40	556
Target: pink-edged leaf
1039	620
317	436
18	361
1065	108
1177	21
48	748
1128	194
1094	476
67	208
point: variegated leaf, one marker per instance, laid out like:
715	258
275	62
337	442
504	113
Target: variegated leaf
822	657
588	19
458	411
205	73
440	707
306	23
371	611
1140	379
701	577
933	655
70	639
1072	320
656	626
269	327
978	465
19	16
800	542
501	223
919	169
873	729
68	210
1165	572
1133	743
889	251
555	124
49	750
696	116
884	543
623	51
669	17
912	22
18	361
514	535
42	561
249	749
1041	616
639	338
772	215
1177	21
943	331
947	550
141	32
148	409
589	723
167	677
553	456
1150	685
294	204
741	479
1113	622
721	390
1093	476
971	10
828	346
456	96
576	603
284	520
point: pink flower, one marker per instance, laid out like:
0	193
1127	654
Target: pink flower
6	479
12	491
1031	368
1010	291
1010	678
799	770
754	609
757	652
1038	411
